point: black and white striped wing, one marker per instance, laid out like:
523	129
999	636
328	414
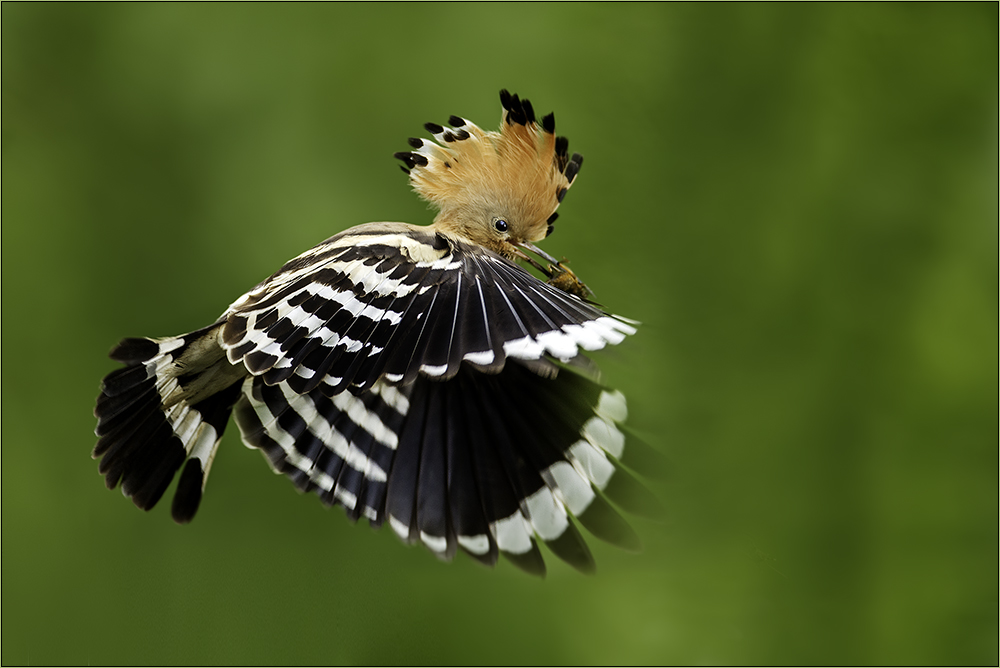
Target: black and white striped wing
397	301
342	447
489	463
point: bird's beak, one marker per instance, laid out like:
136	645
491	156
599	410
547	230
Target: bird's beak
519	253
559	275
538	251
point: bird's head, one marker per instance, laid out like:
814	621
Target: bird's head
497	189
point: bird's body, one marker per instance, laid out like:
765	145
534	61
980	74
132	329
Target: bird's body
413	374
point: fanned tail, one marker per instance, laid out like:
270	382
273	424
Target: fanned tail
169	404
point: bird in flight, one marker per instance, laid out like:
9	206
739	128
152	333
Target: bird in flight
415	375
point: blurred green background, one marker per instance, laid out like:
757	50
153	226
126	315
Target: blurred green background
799	202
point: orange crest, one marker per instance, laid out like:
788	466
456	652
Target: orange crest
520	173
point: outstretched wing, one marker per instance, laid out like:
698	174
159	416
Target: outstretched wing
486	463
393	300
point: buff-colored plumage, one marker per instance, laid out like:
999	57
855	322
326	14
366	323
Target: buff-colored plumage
476	178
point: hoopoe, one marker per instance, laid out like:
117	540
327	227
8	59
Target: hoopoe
414	375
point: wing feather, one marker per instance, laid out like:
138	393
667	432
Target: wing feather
396	301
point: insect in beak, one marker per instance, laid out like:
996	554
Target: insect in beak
560	276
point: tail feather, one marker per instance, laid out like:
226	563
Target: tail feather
115	429
169	404
134	351
203	444
118	445
117	410
147	472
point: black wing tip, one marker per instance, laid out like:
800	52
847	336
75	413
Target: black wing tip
488	559
572	548
629	494
642	457
531	562
602	520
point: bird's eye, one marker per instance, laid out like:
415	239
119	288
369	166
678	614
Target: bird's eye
500	224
